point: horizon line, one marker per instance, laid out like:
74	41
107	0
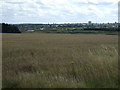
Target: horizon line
58	22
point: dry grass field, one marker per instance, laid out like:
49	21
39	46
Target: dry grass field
32	60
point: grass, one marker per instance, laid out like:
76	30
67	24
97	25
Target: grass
0	60
60	61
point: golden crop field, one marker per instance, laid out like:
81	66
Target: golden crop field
34	60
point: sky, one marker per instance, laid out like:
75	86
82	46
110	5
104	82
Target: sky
58	11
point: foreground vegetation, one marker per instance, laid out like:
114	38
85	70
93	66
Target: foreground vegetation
60	61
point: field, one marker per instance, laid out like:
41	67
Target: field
32	60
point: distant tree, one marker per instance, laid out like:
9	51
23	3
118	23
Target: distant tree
7	28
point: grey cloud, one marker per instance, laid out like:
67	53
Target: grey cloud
40	12
91	3
8	2
8	15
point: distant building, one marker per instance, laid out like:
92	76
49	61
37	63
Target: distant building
30	30
89	22
41	28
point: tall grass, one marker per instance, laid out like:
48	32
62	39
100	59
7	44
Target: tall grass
0	60
60	61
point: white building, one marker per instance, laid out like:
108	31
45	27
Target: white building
30	30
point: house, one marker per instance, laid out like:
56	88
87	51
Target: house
30	31
41	28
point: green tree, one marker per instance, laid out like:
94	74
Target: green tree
7	28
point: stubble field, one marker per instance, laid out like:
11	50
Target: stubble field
32	60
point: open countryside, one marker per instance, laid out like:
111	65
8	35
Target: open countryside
60	43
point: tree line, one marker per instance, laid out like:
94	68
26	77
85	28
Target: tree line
8	28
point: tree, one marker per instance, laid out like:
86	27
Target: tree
7	28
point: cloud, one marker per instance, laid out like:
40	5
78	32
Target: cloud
17	11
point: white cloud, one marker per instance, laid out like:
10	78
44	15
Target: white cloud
59	10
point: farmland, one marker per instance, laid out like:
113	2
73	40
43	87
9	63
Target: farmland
38	60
